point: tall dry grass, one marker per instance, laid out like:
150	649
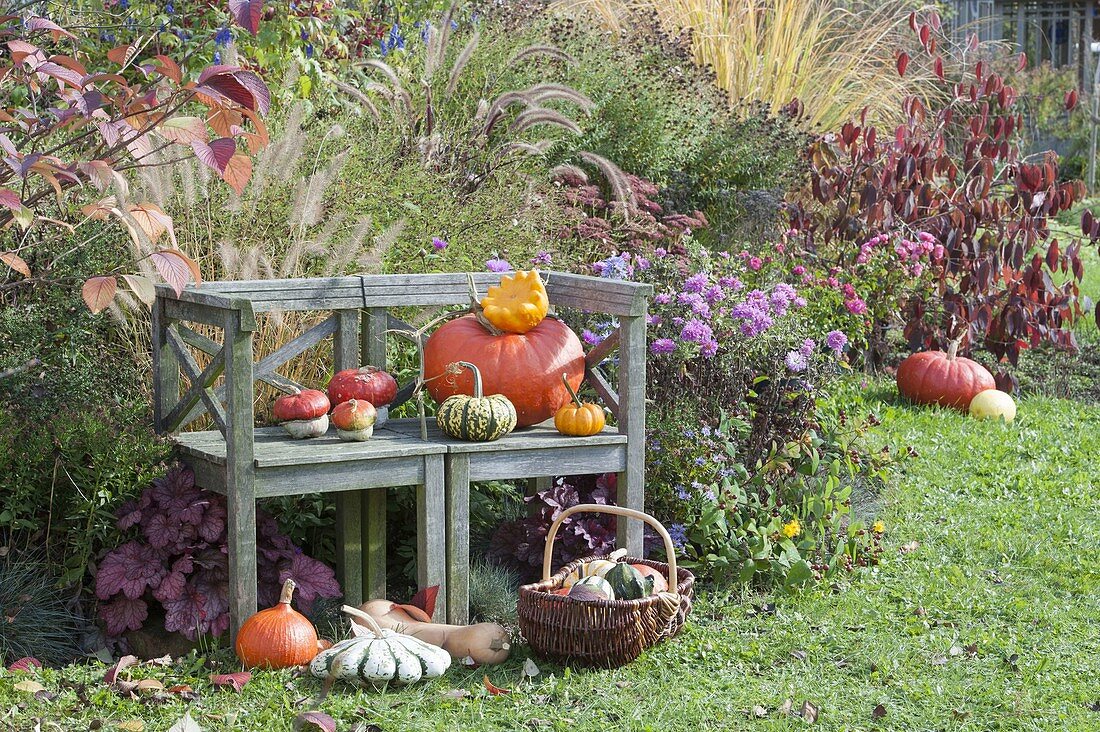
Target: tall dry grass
837	58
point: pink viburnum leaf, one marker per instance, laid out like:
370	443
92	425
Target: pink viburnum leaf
225	87
425	599
176	268
123	613
98	292
216	154
247	13
153	221
183	130
169	68
27	663
314	579
16	262
234	681
35	23
238	172
129	569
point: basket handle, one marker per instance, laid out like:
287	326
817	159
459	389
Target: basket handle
670	550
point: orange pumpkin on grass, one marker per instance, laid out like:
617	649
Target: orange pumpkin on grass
279	637
944	378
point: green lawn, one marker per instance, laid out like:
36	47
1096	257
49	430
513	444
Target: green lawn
982	616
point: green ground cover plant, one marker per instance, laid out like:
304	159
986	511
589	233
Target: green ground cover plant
980	616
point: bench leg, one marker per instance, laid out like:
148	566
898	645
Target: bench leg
431	520
241	509
374	544
457	470
349	545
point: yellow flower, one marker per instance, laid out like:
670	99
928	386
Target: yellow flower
792	529
878	527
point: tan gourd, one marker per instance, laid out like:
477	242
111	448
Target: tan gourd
484	643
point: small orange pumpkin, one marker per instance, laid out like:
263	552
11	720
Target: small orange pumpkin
279	637
577	418
518	303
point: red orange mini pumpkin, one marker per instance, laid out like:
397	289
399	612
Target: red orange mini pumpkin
279	637
354	420
368	383
303	413
944	378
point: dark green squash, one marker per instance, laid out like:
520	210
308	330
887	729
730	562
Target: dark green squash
476	418
627	582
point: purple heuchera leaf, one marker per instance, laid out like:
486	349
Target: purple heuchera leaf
129	569
162	531
171	587
129	514
313	578
186	613
212	526
123	613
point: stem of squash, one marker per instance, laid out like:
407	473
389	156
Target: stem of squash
365	617
288	592
475	308
477	377
953	349
576	399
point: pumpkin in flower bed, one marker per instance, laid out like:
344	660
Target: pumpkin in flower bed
354	420
368	383
518	303
526	368
476	418
303	413
279	637
944	378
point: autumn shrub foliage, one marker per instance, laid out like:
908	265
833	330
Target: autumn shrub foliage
178	560
953	173
77	122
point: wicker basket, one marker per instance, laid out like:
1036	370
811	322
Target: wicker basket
605	633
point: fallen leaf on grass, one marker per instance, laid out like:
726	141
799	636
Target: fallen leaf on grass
972	650
494	690
910	547
1011	661
456	694
939	660
27	663
878	712
809	712
622	684
314	722
759	712
785	707
185	724
149	686
955	650
123	663
29	686
530	668
799	655
1094	707
162	661
236	681
959	714
132	725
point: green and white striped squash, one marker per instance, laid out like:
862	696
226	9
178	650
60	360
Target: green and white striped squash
476	418
595	568
378	656
375	659
597	583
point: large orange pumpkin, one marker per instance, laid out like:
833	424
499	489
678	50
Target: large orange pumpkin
936	377
527	368
279	637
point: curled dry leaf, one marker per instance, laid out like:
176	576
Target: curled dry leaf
425	599
29	686
494	690
878	712
143	289
809	712
149	686
123	663
236	681
314	722
456	694
530	668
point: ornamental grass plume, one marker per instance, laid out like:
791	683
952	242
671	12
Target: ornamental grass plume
835	57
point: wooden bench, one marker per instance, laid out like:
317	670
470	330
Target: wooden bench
244	463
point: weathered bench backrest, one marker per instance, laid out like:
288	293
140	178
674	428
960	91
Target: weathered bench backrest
233	305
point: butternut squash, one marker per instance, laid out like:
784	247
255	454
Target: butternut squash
485	643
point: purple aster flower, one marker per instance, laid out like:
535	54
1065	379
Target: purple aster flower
695	283
542	259
660	252
496	264
732	283
682	493
663	299
642	263
439	244
696	331
592	339
808	347
796	362
710	348
836	340
615	267
709	495
714	294
678	535
701	309
663	345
